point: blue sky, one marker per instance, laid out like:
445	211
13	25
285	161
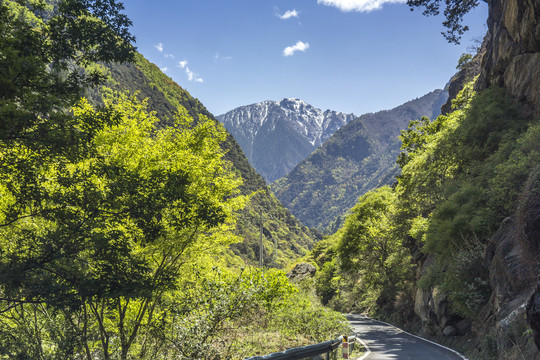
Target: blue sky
334	54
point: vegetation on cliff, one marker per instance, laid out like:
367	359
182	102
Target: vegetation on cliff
462	175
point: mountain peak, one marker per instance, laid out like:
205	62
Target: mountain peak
276	135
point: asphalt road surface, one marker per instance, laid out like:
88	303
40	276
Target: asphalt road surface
390	343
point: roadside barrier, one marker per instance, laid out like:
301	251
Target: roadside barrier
327	350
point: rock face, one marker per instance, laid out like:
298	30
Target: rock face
467	73
301	271
512	59
530	235
533	315
277	135
511	256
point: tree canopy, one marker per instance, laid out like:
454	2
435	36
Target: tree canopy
454	12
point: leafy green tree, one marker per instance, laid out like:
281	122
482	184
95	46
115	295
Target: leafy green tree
464	59
116	225
370	247
454	12
44	68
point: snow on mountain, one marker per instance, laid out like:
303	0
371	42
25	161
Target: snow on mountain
277	135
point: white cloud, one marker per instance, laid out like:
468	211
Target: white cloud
190	74
159	47
359	5
299	46
288	14
164	69
167	56
218	57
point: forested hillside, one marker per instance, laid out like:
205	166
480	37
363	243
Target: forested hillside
280	229
450	250
357	158
117	216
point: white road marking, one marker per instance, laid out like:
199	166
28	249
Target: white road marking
368	351
415	336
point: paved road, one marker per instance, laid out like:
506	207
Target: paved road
389	343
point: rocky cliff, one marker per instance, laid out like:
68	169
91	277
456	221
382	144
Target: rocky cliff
509	323
512	59
511	259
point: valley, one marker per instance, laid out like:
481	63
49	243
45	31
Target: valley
136	224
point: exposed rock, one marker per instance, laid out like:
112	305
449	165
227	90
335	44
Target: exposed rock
529	216
277	135
533	315
511	257
450	330
512	58
511	61
301	271
509	274
421	305
467	73
432	308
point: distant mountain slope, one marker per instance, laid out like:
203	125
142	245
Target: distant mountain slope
280	228
357	158
277	135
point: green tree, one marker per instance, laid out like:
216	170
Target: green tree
116	225
453	12
46	53
369	246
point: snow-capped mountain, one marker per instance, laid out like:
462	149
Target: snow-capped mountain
277	135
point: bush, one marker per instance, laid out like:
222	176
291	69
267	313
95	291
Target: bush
315	321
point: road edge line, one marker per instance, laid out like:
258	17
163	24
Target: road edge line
368	350
421	338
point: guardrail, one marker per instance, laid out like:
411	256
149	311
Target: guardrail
314	352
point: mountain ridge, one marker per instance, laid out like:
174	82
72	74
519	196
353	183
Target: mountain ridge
359	156
277	135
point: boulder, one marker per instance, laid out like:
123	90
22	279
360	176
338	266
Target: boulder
302	271
464	326
450	330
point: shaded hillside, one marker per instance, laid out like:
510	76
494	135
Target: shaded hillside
357	158
277	135
164	96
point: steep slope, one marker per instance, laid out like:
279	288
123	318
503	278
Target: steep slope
510	60
357	158
280	229
277	135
